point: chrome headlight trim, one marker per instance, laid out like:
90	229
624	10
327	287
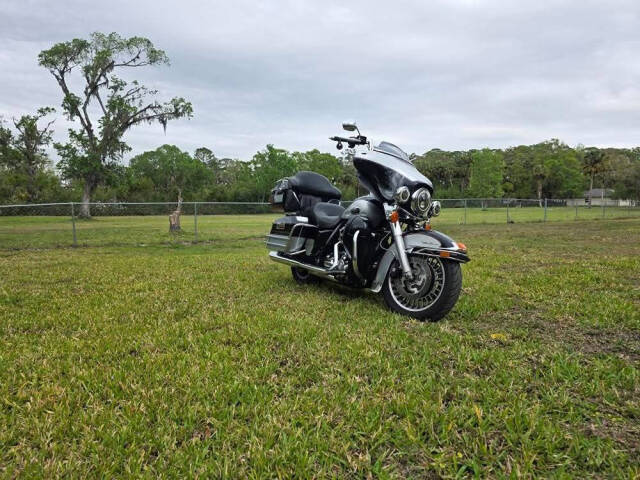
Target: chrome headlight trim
402	195
436	206
421	202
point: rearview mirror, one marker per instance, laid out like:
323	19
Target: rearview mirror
350	126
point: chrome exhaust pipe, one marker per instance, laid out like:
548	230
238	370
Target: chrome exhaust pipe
317	271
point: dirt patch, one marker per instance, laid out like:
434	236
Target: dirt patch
625	435
565	333
623	343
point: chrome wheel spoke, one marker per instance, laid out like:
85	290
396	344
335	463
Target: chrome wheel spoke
424	289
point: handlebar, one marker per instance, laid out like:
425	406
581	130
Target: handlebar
351	141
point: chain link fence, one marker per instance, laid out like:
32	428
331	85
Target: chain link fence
54	225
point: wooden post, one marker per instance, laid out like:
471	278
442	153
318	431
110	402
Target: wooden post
174	217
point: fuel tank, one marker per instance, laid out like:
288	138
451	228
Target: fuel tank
368	207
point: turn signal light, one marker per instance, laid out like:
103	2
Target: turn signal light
427	226
444	254
462	246
393	218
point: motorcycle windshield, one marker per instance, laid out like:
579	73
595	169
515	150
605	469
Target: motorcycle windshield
385	169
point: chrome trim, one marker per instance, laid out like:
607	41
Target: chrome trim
414	202
317	271
402	195
336	259
290	243
277	242
354	262
294	240
396	230
434	211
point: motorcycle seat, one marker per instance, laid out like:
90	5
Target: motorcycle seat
312	183
326	215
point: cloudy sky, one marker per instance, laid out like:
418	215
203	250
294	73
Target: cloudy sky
452	74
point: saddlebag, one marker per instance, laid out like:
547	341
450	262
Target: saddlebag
291	234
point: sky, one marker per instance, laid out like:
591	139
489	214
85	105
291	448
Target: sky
453	74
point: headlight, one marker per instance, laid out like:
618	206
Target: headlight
435	208
420	202
402	195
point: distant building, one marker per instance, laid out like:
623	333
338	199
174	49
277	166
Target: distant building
599	197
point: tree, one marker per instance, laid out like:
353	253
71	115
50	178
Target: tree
270	165
319	162
108	106
213	163
24	152
518	178
449	171
592	164
168	173
486	174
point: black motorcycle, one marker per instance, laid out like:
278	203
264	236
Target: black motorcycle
382	241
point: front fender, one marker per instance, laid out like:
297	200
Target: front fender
429	243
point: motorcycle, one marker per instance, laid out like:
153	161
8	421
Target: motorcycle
382	241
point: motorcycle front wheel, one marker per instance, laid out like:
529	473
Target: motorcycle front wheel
430	294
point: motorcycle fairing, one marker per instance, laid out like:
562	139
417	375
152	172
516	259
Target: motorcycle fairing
383	173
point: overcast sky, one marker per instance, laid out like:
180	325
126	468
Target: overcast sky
422	74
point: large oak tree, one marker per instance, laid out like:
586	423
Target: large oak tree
107	106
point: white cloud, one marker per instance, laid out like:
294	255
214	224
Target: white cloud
443	74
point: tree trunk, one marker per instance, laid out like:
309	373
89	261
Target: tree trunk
590	188
31	184
174	217
85	211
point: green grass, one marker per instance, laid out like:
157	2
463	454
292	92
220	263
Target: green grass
208	360
18	232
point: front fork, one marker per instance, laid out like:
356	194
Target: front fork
398	241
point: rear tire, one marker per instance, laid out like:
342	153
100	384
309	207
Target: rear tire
303	277
421	307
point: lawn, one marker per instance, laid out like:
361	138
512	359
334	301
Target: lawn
54	227
167	359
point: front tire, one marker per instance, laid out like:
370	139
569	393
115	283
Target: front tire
430	295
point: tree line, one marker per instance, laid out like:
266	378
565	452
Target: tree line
92	167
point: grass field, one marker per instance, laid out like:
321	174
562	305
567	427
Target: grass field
49	231
175	360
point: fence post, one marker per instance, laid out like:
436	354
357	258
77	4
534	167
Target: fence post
195	221
545	210
507	211
576	212
602	200
73	225
465	211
